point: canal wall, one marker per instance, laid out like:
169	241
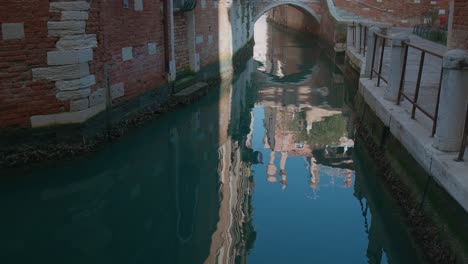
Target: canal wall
430	185
64	61
71	63
438	221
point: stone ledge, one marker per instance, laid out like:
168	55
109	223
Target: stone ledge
73	95
69	57
59	73
61	28
84	41
66	118
69	6
78	105
74	15
76	84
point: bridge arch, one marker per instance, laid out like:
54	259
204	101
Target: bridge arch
297	4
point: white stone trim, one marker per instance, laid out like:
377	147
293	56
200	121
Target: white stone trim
12	31
69	57
74	15
69	6
67	117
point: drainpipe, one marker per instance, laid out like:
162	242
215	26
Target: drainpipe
169	55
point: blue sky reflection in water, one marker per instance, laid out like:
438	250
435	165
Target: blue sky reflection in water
263	170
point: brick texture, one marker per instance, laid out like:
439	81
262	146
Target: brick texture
180	42
117	28
458	34
20	96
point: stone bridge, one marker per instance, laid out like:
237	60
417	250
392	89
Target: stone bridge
313	7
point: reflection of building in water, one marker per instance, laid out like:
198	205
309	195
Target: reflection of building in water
234	234
301	132
302	109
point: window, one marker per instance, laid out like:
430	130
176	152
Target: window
184	5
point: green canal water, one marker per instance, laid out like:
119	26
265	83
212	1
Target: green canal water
265	169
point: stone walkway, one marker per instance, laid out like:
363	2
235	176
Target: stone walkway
415	135
431	70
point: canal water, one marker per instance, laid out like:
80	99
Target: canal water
265	169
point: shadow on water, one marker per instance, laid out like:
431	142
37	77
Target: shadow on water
265	169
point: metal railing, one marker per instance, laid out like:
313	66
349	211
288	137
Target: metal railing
437	35
382	39
461	154
414	100
362	36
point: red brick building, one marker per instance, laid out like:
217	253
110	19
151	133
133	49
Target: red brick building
62	62
458	25
396	12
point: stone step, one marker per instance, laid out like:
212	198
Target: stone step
184	82
192	92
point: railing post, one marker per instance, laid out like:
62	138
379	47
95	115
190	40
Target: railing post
370	50
396	64
453	99
358	38
350	35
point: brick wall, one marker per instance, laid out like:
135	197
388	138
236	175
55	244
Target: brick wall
396	12
57	56
126	28
24	44
458	33
180	42
207	29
